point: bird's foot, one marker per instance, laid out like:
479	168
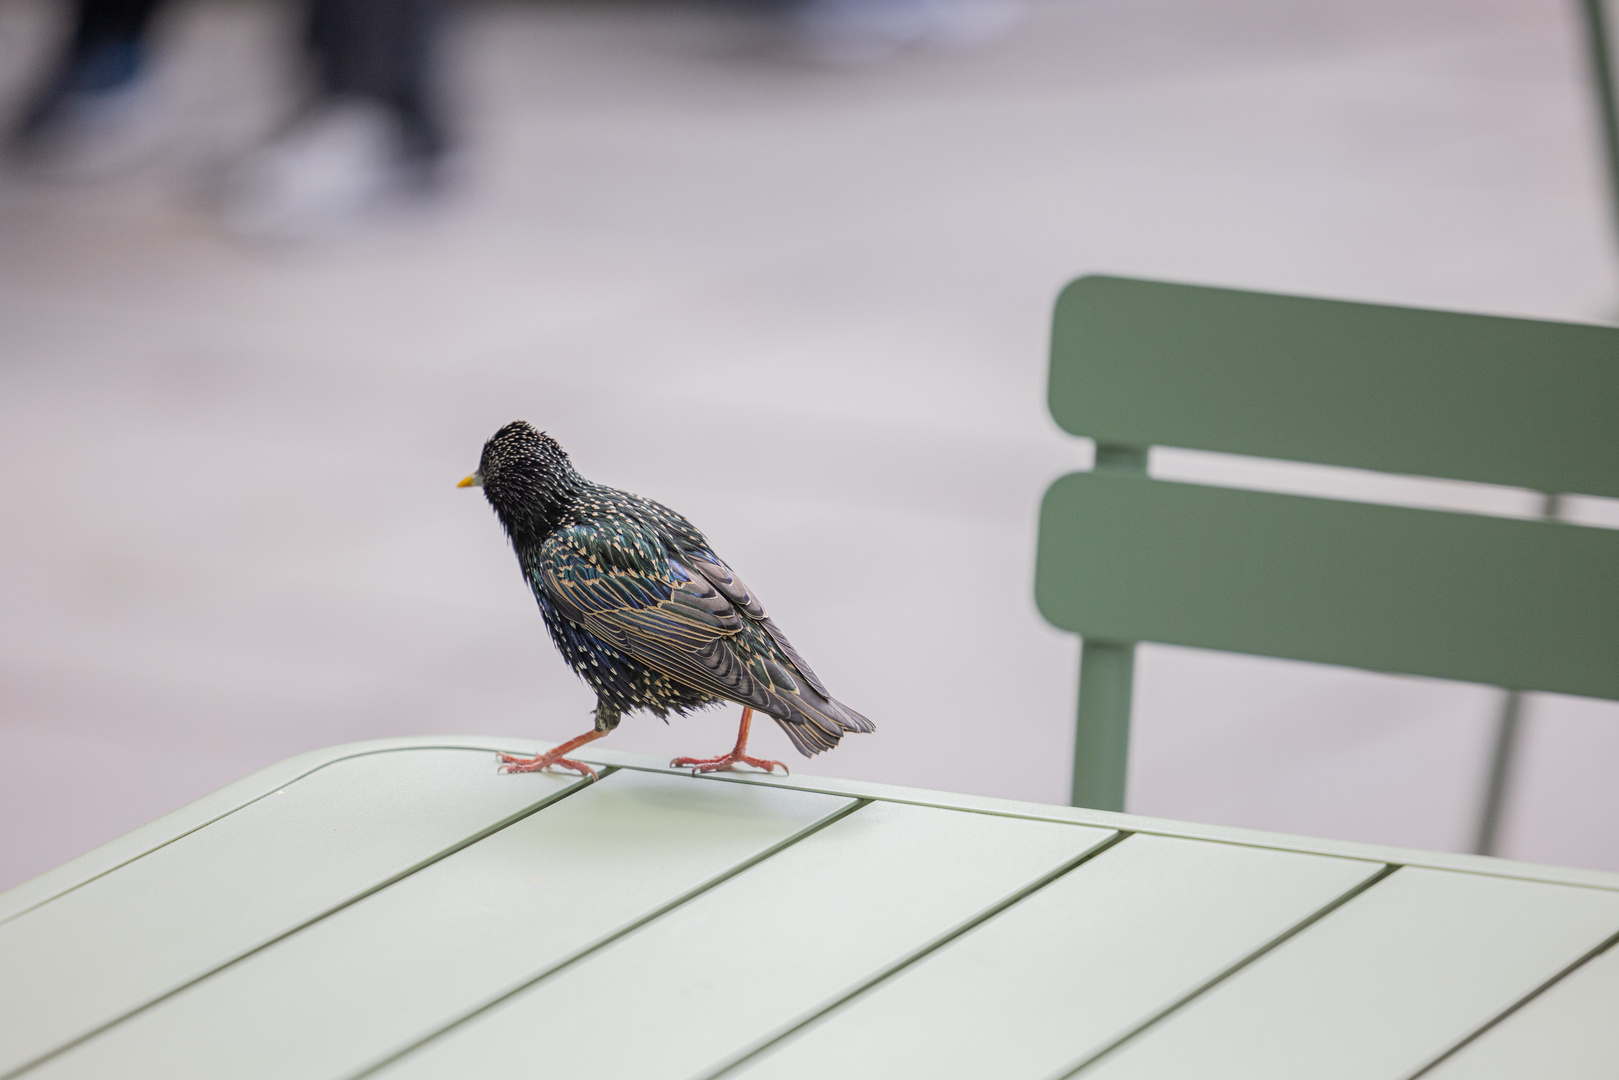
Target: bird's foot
726	761
513	764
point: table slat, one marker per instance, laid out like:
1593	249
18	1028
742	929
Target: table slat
1571	1032
1072	967
1381	986
120	940
762	950
372	977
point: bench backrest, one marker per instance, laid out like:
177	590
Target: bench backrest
1527	605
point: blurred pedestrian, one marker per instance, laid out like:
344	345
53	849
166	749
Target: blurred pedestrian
372	122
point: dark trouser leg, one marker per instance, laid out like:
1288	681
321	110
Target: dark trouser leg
387	51
101	21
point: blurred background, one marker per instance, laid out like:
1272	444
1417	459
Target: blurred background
789	270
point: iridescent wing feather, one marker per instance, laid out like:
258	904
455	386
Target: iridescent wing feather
688	616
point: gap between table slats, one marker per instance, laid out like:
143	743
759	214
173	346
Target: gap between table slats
1510	1010
586	951
1203	988
549	800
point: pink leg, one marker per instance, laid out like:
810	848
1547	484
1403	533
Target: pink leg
553	757
729	761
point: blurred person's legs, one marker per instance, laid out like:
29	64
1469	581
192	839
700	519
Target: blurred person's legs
91	82
385	52
373	127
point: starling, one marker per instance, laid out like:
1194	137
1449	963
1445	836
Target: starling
643	610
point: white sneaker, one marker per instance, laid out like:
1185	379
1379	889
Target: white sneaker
333	164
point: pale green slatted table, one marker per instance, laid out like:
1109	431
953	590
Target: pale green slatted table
400	910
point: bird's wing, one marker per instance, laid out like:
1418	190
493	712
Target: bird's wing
660	611
734	589
813	718
689	617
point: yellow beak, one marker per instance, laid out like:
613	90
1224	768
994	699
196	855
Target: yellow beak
472	481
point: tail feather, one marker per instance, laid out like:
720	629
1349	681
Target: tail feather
807	739
814	722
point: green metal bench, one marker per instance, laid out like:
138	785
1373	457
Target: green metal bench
1520	604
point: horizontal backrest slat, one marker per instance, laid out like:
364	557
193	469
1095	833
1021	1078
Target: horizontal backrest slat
1468	397
1528	605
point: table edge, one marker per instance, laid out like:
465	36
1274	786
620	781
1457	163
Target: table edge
170	827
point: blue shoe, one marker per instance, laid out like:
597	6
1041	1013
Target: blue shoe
88	93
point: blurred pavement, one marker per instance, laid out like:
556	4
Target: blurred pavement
806	307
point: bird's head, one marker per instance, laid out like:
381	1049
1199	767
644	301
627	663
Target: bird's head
527	478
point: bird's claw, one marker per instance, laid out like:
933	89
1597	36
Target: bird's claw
510	763
728	762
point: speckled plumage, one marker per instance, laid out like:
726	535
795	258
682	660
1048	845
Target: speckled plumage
639	604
